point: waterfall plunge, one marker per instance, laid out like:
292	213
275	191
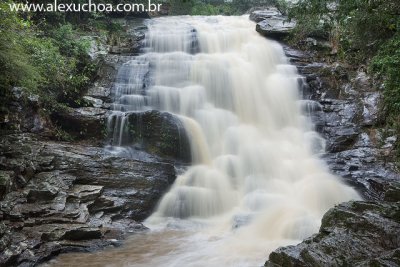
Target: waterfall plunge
256	181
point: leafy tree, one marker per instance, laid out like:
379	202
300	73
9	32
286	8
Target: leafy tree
181	7
352	24
14	59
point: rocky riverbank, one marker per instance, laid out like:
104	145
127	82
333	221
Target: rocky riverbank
70	197
344	105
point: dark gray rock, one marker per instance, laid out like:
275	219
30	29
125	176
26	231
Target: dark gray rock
83	234
351	234
271	23
158	133
263	14
77	198
100	93
22	114
370	113
83	123
341	138
86	192
44	194
277	28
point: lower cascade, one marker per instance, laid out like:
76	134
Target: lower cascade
256	181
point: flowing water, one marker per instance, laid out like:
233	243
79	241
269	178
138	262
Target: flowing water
256	181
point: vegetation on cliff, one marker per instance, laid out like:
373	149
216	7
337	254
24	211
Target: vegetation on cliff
48	55
45	57
361	32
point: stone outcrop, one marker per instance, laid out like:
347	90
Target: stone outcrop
83	123
357	148
24	114
272	23
351	234
158	133
60	197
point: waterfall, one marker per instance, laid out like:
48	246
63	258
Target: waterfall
256	180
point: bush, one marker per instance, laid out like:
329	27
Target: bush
54	65
353	25
210	10
14	59
68	41
59	76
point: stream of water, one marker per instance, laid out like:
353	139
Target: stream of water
256	181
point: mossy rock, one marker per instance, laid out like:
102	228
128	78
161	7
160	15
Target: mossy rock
158	133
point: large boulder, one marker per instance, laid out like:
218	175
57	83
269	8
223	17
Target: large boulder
277	28
351	234
271	23
158	133
83	123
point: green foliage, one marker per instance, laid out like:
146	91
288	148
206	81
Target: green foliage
61	78
54	65
210	10
68	42
14	59
351	25
387	65
181	7
244	5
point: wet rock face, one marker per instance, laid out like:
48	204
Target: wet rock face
23	114
351	234
347	117
158	133
63	197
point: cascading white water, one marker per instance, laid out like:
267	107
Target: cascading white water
256	181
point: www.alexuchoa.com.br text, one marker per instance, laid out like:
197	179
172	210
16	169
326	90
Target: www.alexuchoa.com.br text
57	6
